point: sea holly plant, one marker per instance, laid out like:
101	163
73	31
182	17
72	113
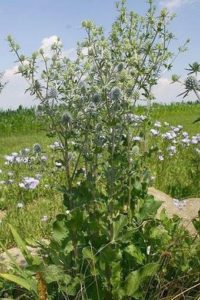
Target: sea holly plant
108	244
191	82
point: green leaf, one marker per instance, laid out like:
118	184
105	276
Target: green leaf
88	254
149	208
54	273
118	226
136	253
138	277
21	245
196	224
28	284
60	230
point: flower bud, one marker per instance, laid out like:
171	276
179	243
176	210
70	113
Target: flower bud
37	148
115	94
120	67
96	98
52	93
66	118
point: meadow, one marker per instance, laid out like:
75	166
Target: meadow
75	171
33	211
20	129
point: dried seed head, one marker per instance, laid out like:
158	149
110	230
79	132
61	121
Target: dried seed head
120	67
96	98
191	83
37	148
66	118
52	93
115	94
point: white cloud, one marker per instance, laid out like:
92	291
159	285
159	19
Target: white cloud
13	94
165	92
171	4
9	73
47	42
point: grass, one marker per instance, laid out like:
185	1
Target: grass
183	114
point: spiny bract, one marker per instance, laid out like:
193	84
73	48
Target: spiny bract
191	83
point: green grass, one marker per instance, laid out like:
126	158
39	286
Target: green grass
14	143
175	114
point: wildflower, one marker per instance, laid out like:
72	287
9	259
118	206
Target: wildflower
10	174
137	138
20	205
25	160
15	154
44	219
38	176
170	135
148	250
185	134
157	124
174	142
172	149
154	132
37	148
43	158
9	159
2	182
176	129
197	150
161	157
56	145
1	171
186	140
29	183
9	181
194	140
58	164
166	123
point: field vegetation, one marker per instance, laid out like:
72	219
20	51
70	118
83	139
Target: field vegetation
76	170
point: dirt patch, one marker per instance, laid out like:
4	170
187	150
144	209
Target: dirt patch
186	209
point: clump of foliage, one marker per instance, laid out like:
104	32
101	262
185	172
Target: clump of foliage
108	244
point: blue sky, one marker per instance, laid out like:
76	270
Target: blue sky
34	22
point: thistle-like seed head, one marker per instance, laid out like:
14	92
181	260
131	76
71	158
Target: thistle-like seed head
191	83
37	148
115	94
66	118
